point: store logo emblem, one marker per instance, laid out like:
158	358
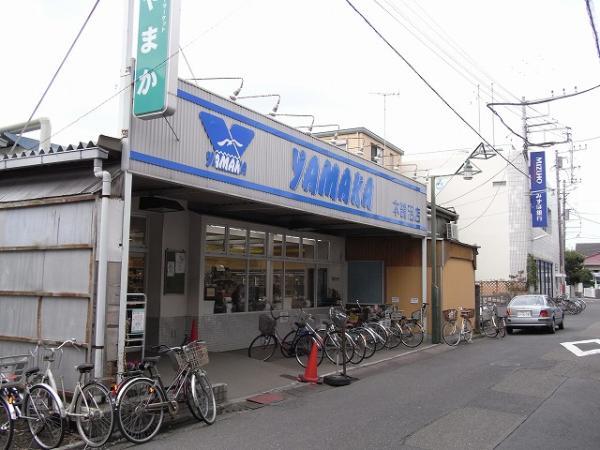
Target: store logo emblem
229	144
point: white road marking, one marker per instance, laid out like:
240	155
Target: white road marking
572	347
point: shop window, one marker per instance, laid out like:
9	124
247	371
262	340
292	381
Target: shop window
257	243
297	286
137	273
257	285
278	290
215	239
308	248
277	245
137	232
225	285
323	250
237	241
329	286
292	246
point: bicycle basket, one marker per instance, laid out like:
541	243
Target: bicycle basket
12	369
450	314
266	324
501	311
196	354
416	315
467	313
339	318
396	315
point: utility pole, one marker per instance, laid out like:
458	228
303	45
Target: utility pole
561	221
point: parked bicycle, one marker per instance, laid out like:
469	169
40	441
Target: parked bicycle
90	406
492	323
37	403
142	401
410	330
355	343
457	328
298	342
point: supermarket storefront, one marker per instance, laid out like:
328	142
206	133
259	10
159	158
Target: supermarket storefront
232	210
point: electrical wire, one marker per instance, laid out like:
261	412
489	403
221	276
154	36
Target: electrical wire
588	4
87	19
431	87
119	92
484	211
447	39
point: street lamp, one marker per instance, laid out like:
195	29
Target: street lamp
310	127
234	97
235	93
467	170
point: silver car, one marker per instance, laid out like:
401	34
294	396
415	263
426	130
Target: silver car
534	311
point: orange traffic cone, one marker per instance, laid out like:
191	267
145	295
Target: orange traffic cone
310	372
193	332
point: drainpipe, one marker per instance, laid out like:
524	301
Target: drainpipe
102	269
424	299
41	123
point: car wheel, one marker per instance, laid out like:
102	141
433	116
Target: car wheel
553	326
562	324
509	330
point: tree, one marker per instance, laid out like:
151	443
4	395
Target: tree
575	271
532	273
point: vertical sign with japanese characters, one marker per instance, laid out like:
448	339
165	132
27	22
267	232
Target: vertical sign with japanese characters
539	204
156	63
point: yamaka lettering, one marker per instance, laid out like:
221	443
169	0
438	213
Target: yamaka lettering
147	80
148	38
325	180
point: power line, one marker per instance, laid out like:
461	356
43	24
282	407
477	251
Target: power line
448	40
55	75
431	87
484	211
588	4
105	101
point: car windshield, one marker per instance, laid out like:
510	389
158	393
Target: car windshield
528	300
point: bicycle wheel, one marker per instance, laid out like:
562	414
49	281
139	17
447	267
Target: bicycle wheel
394	339
286	344
94	414
140	410
262	347
44	417
303	348
333	348
370	340
489	328
360	346
201	398
381	336
411	334
7	426
467	331
451	333
501	327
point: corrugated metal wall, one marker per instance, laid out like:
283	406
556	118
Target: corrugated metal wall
47	276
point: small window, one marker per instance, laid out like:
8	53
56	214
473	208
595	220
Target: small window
323	250
137	233
215	239
277	245
237	241
257	243
376	154
292	246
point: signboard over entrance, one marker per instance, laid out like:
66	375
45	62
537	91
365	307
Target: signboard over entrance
539	206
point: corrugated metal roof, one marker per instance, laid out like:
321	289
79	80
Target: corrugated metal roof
15	186
30	147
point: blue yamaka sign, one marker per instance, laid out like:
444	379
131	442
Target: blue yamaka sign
539	203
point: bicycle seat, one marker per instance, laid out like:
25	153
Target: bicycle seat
31	371
84	368
151	359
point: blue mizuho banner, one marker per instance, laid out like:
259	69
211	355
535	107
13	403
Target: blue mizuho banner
539	203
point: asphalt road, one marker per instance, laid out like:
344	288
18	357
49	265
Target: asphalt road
523	392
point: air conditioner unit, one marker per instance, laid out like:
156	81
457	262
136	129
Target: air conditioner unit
452	231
